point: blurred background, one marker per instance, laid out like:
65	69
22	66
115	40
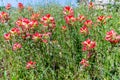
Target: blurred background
39	2
73	3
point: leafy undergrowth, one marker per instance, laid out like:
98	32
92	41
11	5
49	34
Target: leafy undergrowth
59	43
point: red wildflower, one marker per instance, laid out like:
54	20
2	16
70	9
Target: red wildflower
8	6
91	5
64	28
35	16
45	37
26	24
84	30
112	37
84	62
81	18
33	24
70	19
7	36
67	10
23	23
47	18
88	23
19	22
101	19
30	64
15	31
48	21
26	36
4	17
37	36
20	6
16	46
88	45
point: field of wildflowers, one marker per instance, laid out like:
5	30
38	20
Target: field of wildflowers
59	43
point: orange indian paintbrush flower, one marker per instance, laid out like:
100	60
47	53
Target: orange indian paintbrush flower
16	46
15	31
67	10
8	6
88	23
7	36
48	21
88	45
112	37
101	19
4	17
84	30
20	6
30	65
37	36
84	62
81	18
70	19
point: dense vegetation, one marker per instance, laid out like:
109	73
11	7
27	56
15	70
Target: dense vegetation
59	43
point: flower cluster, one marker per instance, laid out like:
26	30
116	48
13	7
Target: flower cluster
20	6
91	5
16	46
67	10
86	26
70	19
30	65
48	21
26	24
64	28
88	45
84	62
15	31
88	23
8	6
102	19
69	15
35	16
81	18
7	36
36	36
112	37
84	30
4	17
